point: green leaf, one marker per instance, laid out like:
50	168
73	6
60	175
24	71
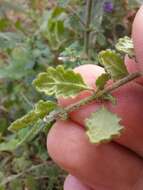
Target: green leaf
41	109
59	30
113	63
57	11
60	82
30	134
102	80
125	45
23	136
102	126
29	119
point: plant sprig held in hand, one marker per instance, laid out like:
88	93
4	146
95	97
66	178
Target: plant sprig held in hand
102	125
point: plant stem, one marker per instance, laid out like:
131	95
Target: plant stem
63	113
77	15
87	26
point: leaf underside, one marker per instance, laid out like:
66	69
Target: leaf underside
103	126
113	64
42	108
125	45
102	80
60	82
23	136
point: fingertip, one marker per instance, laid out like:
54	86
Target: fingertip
131	65
72	183
89	73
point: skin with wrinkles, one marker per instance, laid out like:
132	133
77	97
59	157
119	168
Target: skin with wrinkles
117	165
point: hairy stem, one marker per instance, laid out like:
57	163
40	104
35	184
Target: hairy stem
87	26
63	113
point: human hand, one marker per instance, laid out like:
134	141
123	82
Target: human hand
117	165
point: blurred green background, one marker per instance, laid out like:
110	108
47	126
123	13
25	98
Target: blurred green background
35	34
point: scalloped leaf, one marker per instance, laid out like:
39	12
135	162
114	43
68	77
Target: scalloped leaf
29	133
23	136
99	130
102	80
42	108
113	64
125	45
60	82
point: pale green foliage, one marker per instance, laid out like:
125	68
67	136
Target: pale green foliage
54	28
30	133
9	145
60	82
20	64
22	137
102	80
125	45
102	126
29	119
41	109
46	33
113	64
9	40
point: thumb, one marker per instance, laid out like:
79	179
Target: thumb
137	35
132	67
